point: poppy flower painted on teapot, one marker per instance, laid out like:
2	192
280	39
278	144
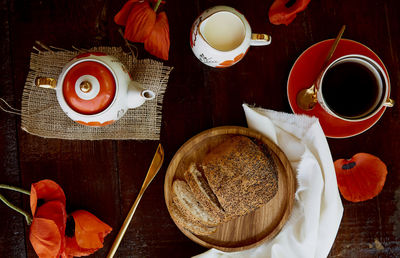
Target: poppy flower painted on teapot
221	36
95	89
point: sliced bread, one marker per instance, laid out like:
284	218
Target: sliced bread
186	203
189	224
242	177
202	192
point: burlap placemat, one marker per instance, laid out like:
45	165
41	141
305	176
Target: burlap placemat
42	115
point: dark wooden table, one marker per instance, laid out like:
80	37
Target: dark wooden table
104	177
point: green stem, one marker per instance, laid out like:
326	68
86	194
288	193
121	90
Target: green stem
156	6
12	206
14	188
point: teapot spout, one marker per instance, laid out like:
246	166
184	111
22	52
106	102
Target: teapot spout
137	96
148	94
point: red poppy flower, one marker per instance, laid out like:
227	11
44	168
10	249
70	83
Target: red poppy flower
48	229
144	25
284	11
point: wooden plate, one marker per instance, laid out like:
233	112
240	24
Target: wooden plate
254	228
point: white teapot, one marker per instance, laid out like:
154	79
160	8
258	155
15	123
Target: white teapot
221	36
95	89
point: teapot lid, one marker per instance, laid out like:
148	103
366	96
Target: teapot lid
89	87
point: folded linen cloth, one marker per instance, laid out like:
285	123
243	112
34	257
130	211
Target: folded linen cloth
317	211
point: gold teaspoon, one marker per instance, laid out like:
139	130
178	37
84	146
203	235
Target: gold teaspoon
307	97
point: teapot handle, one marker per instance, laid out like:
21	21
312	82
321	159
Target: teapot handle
46	82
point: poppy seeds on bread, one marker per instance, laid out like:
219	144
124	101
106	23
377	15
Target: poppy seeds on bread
233	179
241	175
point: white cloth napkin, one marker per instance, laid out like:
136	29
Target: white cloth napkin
317	212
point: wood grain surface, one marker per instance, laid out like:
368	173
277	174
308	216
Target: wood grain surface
104	177
254	228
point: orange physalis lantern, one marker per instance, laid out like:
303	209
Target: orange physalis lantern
360	178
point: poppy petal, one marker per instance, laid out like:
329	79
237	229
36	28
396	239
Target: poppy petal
72	249
140	22
89	230
281	13
45	237
47	229
360	178
122	16
47	190
158	42
55	211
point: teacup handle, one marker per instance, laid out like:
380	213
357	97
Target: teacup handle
46	82
260	39
389	103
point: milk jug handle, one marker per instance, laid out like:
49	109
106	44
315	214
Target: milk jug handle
260	39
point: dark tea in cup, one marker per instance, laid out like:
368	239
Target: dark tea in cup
353	88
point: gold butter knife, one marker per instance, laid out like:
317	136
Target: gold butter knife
151	173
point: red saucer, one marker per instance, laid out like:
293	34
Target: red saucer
306	69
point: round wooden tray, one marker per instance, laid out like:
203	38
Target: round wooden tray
254	228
